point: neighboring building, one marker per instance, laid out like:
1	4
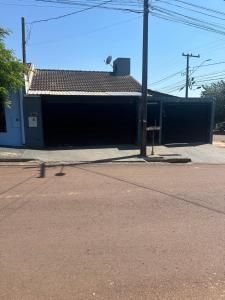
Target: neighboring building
11	122
89	108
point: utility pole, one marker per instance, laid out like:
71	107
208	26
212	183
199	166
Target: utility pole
23	40
187	71
144	98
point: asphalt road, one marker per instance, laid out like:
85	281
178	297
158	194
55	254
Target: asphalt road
114	231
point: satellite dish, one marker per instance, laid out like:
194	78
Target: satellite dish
108	60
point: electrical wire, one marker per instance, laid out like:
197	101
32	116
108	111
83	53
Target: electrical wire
112	6
87	33
166	78
201	7
191	24
191	72
70	14
192	10
87	7
32	5
210	26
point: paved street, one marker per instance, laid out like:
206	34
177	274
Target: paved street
116	231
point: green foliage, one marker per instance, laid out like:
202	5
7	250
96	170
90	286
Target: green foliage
217	92
11	70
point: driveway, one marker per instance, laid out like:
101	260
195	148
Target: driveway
113	231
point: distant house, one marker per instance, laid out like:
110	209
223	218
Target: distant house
89	108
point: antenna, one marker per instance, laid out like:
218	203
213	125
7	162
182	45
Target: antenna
108	60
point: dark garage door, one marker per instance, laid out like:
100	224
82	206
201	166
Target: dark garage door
87	123
186	123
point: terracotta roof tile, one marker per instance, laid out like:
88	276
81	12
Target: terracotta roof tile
85	81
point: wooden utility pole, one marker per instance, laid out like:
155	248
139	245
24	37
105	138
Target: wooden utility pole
144	99
23	40
187	72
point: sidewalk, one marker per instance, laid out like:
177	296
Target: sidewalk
197	154
219	141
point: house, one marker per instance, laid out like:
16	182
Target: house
89	108
82	108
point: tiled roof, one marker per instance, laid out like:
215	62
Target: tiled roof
82	81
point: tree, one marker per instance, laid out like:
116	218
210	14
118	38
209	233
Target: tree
217	92
11	70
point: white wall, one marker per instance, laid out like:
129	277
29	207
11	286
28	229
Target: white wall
12	136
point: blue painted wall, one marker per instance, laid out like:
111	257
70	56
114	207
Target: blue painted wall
12	136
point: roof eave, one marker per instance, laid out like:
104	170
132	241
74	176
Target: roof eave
81	93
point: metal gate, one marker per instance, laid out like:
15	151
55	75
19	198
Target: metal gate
186	122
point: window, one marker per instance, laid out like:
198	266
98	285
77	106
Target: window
2	119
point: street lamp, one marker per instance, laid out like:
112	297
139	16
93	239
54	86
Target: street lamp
201	64
192	81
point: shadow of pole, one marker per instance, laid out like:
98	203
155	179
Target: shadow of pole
44	165
60	173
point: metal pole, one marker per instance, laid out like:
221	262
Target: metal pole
187	72
153	139
153	142
42	170
23	40
187	77
143	144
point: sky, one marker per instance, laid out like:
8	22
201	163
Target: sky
83	41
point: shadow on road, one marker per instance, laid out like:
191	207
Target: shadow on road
16	185
44	165
155	190
79	166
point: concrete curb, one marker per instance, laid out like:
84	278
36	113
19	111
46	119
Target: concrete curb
121	161
16	159
181	160
149	159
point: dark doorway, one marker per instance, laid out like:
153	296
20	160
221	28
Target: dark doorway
186	123
88	122
2	118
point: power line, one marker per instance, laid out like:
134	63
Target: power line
70	14
190	9
89	32
212	64
198	80
175	16
166	78
192	68
201	7
87	7
178	88
172	85
31	5
210	80
196	22
87	4
211	75
186	22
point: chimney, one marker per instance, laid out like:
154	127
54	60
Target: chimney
121	67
